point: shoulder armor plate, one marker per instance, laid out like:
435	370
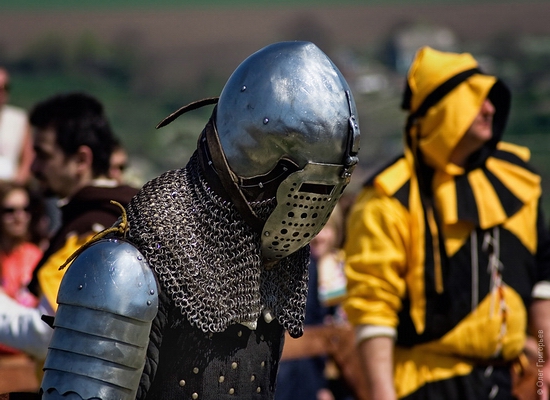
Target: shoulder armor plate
107	301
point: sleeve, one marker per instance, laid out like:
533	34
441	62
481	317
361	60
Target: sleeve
22	327
376	259
541	290
153	348
50	276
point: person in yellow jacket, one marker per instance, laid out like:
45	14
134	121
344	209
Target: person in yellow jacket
448	259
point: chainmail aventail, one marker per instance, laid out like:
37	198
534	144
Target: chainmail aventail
208	259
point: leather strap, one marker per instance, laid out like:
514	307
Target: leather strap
229	180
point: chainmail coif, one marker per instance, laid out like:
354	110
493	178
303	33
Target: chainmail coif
208	259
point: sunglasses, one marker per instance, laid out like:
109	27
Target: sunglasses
13	210
121	167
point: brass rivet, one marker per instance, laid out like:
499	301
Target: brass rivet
221	379
195	396
240	333
231	391
262	364
252	378
234	365
258	389
195	370
182	383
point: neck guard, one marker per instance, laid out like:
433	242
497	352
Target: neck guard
208	259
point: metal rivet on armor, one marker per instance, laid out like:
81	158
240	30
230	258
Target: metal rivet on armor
195	370
195	396
240	333
151	291
266	120
182	383
231	391
266	233
221	379
258	389
234	365
80	287
252	378
148	302
261	337
243	88
262	364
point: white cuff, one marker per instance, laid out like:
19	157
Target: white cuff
22	327
363	332
541	290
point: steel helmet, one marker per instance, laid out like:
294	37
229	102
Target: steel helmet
286	115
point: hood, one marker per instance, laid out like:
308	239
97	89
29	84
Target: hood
444	94
97	200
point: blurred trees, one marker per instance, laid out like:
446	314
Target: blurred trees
115	74
125	80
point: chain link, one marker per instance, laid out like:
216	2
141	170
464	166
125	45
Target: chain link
208	259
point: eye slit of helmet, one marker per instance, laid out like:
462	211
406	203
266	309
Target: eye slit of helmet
316	188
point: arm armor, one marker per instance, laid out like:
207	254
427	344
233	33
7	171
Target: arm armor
107	301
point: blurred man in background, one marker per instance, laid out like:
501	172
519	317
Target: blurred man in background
118	163
73	142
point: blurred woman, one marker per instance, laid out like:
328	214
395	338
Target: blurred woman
18	254
307	378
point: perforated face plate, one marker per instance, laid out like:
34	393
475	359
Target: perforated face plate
304	203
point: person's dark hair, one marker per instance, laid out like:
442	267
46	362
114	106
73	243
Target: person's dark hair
78	120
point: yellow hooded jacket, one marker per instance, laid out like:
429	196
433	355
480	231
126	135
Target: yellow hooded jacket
446	258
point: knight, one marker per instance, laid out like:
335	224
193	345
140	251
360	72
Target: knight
190	296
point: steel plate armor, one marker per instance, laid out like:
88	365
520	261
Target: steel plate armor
286	100
107	300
